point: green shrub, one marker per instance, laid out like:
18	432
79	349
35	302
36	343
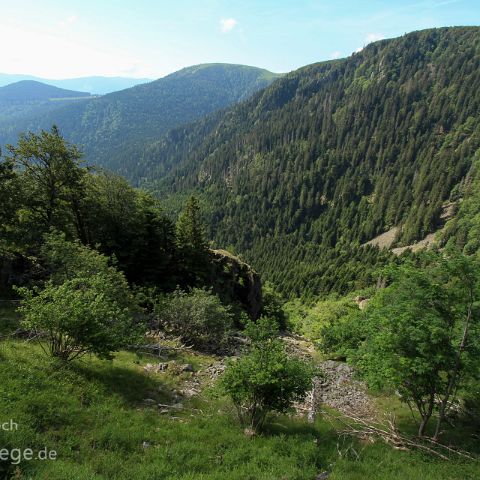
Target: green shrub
343	336
266	379
336	325
199	318
272	305
86	306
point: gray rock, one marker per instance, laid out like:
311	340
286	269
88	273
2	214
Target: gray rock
339	389
148	367
161	367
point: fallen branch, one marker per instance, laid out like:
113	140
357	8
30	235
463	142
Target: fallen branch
388	432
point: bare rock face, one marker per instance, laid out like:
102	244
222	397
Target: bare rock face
362	302
237	281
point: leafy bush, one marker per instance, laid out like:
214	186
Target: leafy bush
335	323
65	260
199	318
266	379
343	336
86	307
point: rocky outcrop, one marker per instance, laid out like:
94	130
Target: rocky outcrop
390	238
335	386
236	281
362	302
386	239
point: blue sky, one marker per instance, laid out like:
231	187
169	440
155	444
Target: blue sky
148	38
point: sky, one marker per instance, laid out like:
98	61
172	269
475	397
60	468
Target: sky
151	38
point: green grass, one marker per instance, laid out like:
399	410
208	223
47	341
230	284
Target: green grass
92	414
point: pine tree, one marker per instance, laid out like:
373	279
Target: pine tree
191	243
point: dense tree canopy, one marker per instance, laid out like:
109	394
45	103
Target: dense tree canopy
44	187
331	155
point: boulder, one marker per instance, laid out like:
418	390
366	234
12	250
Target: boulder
362	302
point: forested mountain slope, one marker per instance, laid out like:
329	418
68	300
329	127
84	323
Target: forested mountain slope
27	99
463	230
331	155
113	128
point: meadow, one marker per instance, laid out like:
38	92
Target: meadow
93	414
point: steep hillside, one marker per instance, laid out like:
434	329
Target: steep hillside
463	230
332	155
113	128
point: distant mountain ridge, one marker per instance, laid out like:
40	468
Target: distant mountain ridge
26	99
97	85
112	129
31	90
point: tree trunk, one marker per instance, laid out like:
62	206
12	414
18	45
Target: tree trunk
426	413
423	425
453	377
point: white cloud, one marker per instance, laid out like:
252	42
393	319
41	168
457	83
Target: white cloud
335	55
373	37
227	24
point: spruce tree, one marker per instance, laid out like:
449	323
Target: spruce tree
191	243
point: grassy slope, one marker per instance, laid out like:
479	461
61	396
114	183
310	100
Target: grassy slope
92	415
